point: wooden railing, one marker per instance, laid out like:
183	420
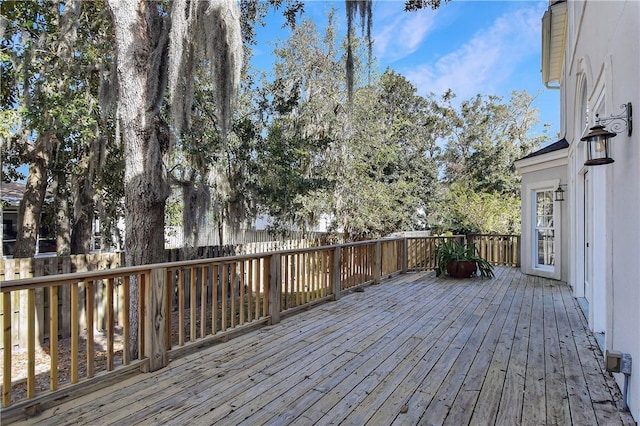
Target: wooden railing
181	306
421	251
498	249
11	269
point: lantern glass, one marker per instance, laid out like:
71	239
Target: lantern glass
598	151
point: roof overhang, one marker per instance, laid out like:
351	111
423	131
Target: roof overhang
554	33
541	162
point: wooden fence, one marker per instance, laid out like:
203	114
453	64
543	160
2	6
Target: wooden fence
209	236
181	306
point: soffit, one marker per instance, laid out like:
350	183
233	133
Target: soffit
554	32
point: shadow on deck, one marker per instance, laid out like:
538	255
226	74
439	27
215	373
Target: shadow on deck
416	349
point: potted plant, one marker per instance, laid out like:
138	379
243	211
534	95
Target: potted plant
460	260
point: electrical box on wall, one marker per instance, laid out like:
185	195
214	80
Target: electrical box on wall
625	364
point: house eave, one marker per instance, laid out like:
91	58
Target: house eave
554	32
545	161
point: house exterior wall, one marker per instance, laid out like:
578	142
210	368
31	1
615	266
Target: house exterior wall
602	72
535	177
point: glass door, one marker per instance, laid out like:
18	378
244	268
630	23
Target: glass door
544	232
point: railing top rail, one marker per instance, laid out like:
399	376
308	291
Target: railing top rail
495	235
435	237
369	242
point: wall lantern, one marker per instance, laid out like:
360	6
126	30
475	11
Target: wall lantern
598	151
559	193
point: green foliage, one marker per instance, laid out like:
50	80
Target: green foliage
485	136
468	211
449	250
390	169
285	167
55	64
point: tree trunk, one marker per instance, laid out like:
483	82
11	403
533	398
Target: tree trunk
83	209
83	218
63	225
141	47
30	208
190	220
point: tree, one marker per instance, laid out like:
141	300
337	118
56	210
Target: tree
304	109
486	137
57	65
390	159
154	46
464	210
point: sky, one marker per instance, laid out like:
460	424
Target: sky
470	47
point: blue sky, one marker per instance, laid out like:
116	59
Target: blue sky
471	47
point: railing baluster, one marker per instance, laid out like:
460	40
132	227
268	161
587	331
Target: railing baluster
233	294
53	337
144	280
214	298
8	347
256	283
110	324
89	303
286	290
242	291
299	286
193	303
181	307
249	290
223	283
126	331
75	320
203	301
314	274
169	308
31	342
265	287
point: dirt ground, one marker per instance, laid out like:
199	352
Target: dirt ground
19	363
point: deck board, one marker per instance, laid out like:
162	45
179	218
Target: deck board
415	349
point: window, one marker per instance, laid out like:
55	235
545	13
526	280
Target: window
544	230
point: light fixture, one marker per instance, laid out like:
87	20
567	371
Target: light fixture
559	193
598	151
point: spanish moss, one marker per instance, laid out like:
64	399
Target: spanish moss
365	11
208	30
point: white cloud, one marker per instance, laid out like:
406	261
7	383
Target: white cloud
402	35
486	61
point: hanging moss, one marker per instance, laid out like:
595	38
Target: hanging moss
206	33
363	7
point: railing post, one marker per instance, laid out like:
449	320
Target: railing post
275	287
405	255
155	316
377	263
336	272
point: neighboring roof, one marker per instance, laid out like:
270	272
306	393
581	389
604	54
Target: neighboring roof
11	192
556	146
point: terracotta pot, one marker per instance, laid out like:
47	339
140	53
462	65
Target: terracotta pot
461	268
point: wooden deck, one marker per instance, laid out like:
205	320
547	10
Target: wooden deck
414	350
